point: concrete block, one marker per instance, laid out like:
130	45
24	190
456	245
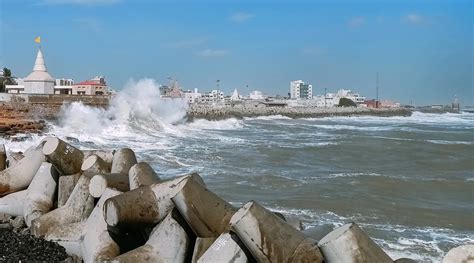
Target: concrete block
464	253
97	245
77	208
270	239
12	204
123	160
68	236
145	205
206	213
167	243
93	165
40	194
349	243
226	248
3	157
18	177
101	182
13	158
106	156
201	245
142	174
66	158
66	184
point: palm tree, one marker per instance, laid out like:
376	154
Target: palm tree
6	79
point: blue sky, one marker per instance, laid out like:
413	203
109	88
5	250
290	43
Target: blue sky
423	50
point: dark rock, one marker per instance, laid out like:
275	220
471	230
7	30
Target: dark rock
15	247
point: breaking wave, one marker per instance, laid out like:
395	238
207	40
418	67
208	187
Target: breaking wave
136	108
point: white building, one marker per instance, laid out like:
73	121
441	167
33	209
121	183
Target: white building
212	96
256	95
332	99
63	86
300	90
190	96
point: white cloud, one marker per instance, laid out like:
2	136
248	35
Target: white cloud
414	19
240	17
88	23
212	53
78	2
356	22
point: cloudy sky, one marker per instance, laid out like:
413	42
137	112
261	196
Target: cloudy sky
423	50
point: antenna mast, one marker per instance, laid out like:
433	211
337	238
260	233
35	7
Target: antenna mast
377	91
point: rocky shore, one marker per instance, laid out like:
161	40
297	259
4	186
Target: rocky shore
218	112
18	117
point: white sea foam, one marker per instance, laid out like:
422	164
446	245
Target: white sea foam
450	142
202	124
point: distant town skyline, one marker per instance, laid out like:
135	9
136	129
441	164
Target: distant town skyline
423	50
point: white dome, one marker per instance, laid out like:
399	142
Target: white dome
40	73
39	76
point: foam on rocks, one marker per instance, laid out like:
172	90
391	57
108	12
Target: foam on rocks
105	206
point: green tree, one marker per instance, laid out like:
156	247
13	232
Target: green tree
6	79
345	102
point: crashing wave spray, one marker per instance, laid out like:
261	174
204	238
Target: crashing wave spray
138	106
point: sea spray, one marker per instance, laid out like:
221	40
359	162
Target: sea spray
138	106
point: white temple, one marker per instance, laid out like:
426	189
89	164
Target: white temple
38	82
235	95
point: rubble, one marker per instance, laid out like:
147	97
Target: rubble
102	206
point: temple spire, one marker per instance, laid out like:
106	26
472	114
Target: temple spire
39	63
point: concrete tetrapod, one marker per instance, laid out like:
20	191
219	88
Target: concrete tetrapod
3	157
13	158
201	245
66	158
270	239
206	213
40	194
142	174
123	160
349	243
93	165
77	208
68	236
66	184
168	242
18	177
97	245
106	156
226	248
463	254
145	205
12	204
101	182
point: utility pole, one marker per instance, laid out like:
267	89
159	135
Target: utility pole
325	90
377	91
217	82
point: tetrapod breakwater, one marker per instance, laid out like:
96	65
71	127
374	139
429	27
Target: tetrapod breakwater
106	206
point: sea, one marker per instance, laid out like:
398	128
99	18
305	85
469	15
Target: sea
407	181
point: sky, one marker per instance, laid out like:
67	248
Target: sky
422	49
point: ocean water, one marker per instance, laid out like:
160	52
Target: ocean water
407	181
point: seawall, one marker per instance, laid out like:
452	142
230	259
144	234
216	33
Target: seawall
218	112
